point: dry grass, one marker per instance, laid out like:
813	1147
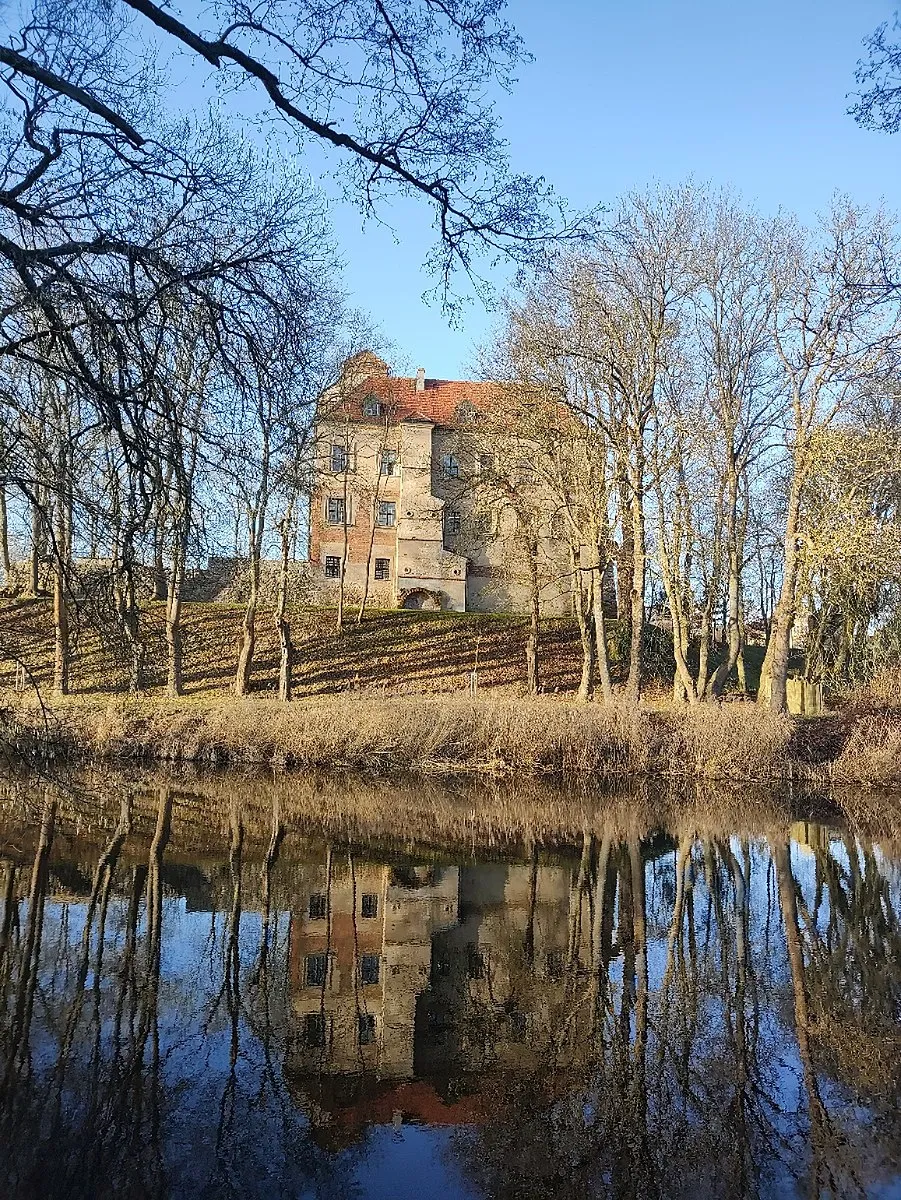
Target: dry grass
872	753
392	694
731	741
500	737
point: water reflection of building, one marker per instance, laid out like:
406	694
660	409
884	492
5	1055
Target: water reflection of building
403	979
360	954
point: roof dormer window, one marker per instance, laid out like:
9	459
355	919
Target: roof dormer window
372	406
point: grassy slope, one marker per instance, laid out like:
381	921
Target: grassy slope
392	652
359	718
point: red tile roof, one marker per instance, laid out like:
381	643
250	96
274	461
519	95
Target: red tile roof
438	402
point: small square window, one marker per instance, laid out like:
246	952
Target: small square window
318	906
332	566
369	968
387	513
369	905
316	969
388	464
314	1030
366	1028
334	510
450	467
383	568
338	458
453	522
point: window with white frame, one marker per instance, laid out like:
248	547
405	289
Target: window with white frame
335	510
332	566
453	522
386	513
339	458
383	568
388	462
372	406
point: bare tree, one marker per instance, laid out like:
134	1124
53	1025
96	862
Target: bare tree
835	327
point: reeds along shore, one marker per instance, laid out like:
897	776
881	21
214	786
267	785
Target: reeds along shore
737	742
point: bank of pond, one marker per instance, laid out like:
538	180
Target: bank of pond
737	741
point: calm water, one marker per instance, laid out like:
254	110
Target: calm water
210	995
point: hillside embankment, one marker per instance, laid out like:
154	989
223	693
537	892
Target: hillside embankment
393	694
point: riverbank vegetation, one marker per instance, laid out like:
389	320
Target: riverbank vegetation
398	693
576	743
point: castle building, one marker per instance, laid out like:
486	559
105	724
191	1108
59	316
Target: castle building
399	503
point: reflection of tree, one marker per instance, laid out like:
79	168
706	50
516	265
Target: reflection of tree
698	1015
98	1038
674	1083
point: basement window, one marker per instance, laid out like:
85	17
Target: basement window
369	905
318	907
334	510
383	568
369	968
387	513
332	566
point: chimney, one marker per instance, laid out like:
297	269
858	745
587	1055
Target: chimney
420	379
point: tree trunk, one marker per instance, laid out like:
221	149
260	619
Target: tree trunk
774	672
249	624
639	559
600	630
286	646
248	635
586	683
624	559
735	543
174	640
61	628
61	655
4	539
129	619
37	539
534	618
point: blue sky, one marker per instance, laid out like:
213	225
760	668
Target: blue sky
622	94
626	92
